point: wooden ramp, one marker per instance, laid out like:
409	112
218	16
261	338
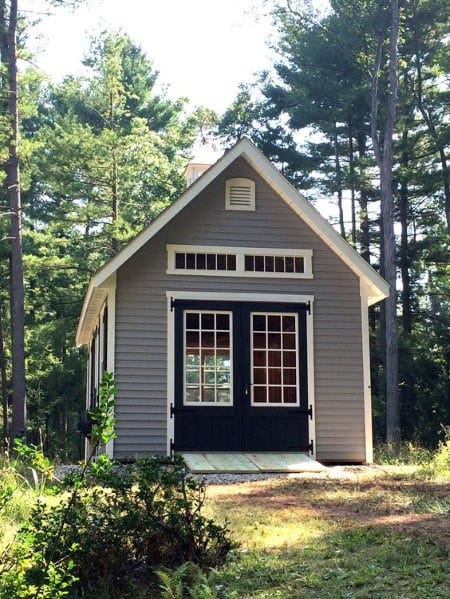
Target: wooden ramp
241	463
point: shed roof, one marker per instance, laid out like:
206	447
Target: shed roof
378	287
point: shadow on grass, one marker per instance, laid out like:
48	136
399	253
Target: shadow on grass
375	562
335	539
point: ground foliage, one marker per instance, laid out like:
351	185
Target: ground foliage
105	528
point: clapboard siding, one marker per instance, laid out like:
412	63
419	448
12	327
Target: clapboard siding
141	317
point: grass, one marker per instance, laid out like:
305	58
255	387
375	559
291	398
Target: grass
377	533
384	536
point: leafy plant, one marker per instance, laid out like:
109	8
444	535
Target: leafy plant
115	527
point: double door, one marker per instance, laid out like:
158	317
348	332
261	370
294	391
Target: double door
240	377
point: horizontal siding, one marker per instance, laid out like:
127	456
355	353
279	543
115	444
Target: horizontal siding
141	346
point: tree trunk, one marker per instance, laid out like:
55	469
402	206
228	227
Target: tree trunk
337	165
3	377
352	181
384	156
363	202
13	191
404	244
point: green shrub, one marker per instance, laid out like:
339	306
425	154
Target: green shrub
148	516
409	453
111	527
440	463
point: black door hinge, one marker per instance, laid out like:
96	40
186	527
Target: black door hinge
172	447
172	410
311	446
310	412
172	304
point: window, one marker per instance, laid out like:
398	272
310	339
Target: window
97	364
239	261
240	194
207	357
208	261
274	359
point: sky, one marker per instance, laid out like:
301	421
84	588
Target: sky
202	49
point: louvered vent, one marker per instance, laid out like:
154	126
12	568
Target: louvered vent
240	194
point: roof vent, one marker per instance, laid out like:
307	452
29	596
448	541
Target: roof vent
239	194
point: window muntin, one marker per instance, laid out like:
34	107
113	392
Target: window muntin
239	261
274	359
274	264
194	261
207	357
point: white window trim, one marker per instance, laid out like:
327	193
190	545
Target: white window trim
297	370
240	182
239	297
240	253
201	404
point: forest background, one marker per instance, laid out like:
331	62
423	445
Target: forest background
102	154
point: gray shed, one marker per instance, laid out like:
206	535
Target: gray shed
236	322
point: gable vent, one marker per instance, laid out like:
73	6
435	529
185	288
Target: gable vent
239	194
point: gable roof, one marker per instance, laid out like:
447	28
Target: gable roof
101	280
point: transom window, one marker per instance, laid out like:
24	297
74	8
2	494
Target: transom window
205	261
239	261
274	359
284	264
207	357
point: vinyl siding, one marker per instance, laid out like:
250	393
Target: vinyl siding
141	319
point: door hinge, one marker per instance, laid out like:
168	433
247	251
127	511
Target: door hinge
311	446
310	412
308	307
172	410
172	304
172	447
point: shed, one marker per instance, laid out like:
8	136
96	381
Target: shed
237	321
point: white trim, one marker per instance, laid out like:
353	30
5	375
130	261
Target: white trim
379	289
217	296
238	297
109	303
310	361
368	431
239	253
243	183
170	372
111	346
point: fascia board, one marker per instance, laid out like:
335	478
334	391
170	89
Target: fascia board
313	218
94	299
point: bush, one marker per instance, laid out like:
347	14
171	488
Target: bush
112	528
440	464
409	453
148	516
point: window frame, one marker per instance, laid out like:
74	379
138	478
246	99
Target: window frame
201	404
268	404
240	253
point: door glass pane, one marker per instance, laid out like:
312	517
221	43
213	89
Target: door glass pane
207	357
274	359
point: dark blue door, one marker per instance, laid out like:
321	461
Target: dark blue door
240	377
